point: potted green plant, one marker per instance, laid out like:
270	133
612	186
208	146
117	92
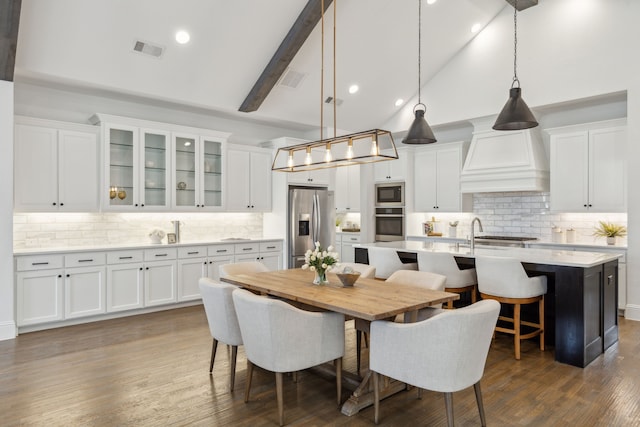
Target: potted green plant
610	230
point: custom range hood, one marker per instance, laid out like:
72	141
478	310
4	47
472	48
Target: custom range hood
500	161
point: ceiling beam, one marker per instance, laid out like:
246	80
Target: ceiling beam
523	4
288	49
9	22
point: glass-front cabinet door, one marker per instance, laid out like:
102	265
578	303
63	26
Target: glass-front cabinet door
185	182
198	172
212	173
122	165
155	161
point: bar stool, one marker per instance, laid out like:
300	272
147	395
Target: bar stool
506	281
458	281
387	261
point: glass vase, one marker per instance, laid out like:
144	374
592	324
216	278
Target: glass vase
320	277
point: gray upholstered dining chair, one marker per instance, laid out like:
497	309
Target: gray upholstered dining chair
281	338
403	277
223	323
386	261
506	281
458	281
245	267
445	353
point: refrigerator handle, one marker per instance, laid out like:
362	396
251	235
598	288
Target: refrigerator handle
314	219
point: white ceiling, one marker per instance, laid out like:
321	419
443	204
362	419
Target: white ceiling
89	43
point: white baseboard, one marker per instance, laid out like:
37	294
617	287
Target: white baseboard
632	312
8	330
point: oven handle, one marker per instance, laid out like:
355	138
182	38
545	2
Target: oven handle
389	215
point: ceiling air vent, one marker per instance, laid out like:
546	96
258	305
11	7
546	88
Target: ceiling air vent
292	79
148	48
329	100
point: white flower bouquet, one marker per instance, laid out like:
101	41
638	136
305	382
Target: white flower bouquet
320	261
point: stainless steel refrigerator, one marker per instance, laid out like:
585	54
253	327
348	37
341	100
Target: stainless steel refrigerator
311	218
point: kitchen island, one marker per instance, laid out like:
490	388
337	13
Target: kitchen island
581	319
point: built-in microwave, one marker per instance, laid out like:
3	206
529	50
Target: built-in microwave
390	194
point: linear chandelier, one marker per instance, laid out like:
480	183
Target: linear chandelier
370	146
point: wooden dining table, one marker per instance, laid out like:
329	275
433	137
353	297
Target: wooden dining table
367	299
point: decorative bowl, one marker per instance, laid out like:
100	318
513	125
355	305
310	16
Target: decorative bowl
348	279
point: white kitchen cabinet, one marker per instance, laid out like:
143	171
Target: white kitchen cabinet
56	168
125	280
84	291
219	255
249	180
437	179
197	172
347	190
346	242
588	167
192	265
316	177
269	253
392	170
160	276
40	296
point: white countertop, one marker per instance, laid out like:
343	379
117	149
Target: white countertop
581	245
129	246
534	256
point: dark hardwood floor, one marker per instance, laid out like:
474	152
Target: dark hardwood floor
152	370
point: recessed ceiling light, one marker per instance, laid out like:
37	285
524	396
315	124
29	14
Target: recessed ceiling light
353	89
399	102
182	37
476	27
431	1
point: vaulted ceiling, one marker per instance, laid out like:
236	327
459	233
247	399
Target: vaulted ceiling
90	44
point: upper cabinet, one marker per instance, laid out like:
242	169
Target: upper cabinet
347	189
197	172
588	167
437	179
157	166
56	167
392	170
249	179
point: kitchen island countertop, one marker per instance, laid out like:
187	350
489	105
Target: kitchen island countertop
565	258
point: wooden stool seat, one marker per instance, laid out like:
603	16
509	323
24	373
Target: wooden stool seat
471	288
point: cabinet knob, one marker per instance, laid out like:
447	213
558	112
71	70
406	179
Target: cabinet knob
590	205
202	206
54	203
252	206
62	204
140	268
248	206
59	275
136	205
142	205
68	275
585	205
147	268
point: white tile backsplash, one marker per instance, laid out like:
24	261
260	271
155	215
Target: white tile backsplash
519	214
46	230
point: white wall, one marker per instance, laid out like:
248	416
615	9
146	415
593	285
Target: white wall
7	322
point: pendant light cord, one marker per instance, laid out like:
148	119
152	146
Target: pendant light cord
335	7
419	48
321	68
515	44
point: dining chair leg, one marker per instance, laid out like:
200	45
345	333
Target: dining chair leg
376	397
280	398
248	380
516	327
541	313
234	358
419	393
474	294
339	379
448	403
213	354
476	388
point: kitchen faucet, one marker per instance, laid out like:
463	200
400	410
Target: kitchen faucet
176	230
472	240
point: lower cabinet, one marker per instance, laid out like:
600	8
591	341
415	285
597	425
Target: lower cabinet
344	244
62	286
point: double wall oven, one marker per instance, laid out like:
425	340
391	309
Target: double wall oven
389	213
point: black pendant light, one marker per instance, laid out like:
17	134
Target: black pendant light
420	132
515	114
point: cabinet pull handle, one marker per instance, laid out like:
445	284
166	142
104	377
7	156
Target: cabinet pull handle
85	260
193	253
247	249
221	250
353	238
609	279
40	263
162	254
271	247
125	257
